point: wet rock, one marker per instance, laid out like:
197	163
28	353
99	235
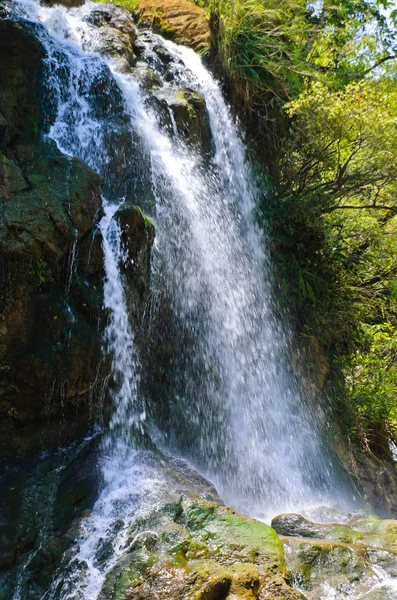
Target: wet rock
137	237
162	53
187	547
315	563
43	500
147	78
369	530
3	130
51	264
53	204
117	33
376	477
296	525
180	20
342	558
67	3
190	116
20	55
12	180
383	592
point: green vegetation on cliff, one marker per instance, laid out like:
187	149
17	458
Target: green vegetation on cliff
318	89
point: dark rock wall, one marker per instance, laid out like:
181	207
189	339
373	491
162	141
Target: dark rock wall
52	364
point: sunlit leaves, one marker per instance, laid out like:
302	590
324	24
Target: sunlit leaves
342	167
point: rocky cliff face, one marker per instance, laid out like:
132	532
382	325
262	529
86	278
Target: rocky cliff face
53	368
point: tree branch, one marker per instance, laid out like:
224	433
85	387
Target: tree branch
367	206
323	69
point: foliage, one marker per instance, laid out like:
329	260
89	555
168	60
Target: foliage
272	45
319	85
339	175
370	376
257	43
41	268
336	154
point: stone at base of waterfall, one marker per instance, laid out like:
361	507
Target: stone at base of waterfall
194	549
344	558
384	592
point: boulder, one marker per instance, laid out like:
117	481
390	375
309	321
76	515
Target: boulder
179	20
189	116
343	559
137	237
368	529
117	33
188	547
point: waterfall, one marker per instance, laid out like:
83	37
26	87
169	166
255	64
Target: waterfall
234	411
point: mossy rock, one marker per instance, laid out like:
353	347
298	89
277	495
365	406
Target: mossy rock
199	550
190	116
343	557
367	530
316	562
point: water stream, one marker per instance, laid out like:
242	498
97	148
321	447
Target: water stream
234	408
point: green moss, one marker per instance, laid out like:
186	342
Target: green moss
166	29
133	576
230	537
148	222
34	125
202	550
196	515
41	269
197	550
191	101
129	4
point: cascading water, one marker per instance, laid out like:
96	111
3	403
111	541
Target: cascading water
255	434
235	412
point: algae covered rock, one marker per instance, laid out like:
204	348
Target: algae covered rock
349	560
189	115
364	529
190	548
315	563
191	118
